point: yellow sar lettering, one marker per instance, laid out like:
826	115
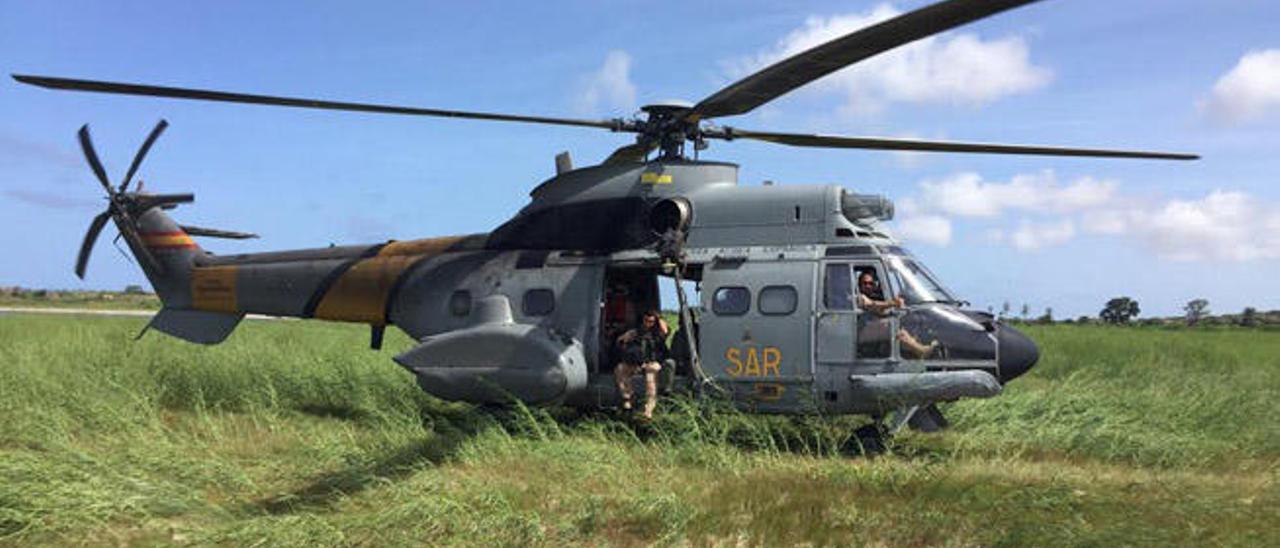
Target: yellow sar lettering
753	362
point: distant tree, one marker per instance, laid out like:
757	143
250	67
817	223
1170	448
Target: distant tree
1084	319
1196	310
1249	318
134	289
1047	317
1026	311
1119	310
1004	309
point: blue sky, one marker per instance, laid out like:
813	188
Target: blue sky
1201	77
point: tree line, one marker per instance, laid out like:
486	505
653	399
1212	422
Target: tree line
1125	310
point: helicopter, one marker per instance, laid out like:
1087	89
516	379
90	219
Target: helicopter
530	311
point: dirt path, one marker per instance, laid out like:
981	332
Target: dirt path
99	312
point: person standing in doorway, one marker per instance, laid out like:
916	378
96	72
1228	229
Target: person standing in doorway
643	350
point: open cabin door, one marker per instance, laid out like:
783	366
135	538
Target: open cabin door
844	334
755	333
628	292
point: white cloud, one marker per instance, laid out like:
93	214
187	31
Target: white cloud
1223	225
1249	91
607	89
1109	222
968	195
955	68
1032	236
927	229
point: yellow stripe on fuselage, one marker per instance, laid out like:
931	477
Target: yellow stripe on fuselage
361	293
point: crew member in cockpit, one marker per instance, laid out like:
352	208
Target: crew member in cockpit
871	298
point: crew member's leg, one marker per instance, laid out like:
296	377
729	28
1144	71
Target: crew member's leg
909	342
622	376
651	370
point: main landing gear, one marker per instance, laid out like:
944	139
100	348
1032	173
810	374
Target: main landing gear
873	438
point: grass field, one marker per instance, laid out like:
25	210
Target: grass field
295	434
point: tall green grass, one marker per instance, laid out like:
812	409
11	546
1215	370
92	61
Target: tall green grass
294	434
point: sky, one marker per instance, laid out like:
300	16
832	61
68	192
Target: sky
1065	233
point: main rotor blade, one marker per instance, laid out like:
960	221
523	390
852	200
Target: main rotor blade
884	143
90	236
230	97
788	74
142	152
86	144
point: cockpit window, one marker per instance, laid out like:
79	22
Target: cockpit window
894	250
914	283
838	293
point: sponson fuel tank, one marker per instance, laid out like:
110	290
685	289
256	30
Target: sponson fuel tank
496	360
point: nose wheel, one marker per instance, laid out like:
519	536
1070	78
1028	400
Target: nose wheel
871	438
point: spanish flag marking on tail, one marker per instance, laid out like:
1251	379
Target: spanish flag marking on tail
161	241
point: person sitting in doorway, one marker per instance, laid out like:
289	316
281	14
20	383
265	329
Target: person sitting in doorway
643	350
871	299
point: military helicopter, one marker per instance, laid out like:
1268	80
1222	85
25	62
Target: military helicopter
529	311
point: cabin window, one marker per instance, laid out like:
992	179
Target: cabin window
838	288
777	300
539	302
731	301
460	303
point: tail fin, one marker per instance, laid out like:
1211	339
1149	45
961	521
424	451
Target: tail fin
172	255
165	251
175	255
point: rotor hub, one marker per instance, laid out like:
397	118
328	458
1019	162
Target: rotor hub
668	127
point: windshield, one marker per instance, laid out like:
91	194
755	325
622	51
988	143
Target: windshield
915	283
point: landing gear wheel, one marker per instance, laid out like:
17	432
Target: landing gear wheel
870	439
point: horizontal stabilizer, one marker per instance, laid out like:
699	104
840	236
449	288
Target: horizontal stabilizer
216	233
195	326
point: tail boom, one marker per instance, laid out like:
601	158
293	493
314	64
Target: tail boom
349	284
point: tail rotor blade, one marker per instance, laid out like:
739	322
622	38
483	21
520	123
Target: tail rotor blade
142	153
86	144
90	236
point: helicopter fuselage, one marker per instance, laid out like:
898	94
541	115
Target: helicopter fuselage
531	310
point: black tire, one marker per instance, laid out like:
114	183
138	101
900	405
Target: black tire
869	440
